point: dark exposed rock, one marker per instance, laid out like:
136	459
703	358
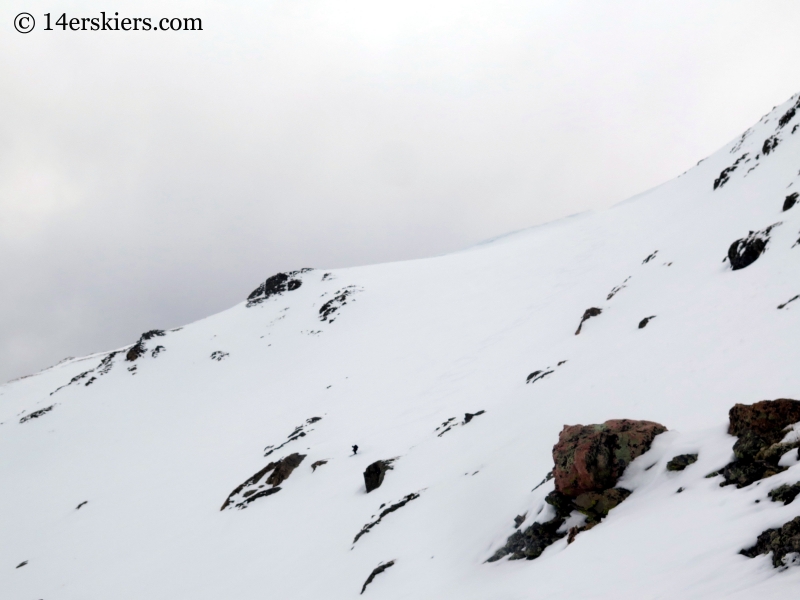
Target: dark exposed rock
788	116
532	542
680	462
81	504
75	379
643	323
649	258
596	506
374	474
770	144
588	462
537	375
780	542
327	312
519	520
614	291
781	306
385	512
281	470
744	252
588	314
219	355
767	418
785	493
299	432
790	201
759	427
376	571
37	413
284	468
138	349
275	285
469	416
318	463
22	564
253	495
725	175
591	458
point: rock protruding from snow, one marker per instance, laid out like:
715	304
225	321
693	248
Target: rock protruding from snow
275	285
588	314
250	489
138	349
760	428
790	201
374	474
780	542
744	252
591	458
376	571
680	462
284	468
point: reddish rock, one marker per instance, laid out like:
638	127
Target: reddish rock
591	458
766	419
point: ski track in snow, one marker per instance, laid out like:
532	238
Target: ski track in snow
387	355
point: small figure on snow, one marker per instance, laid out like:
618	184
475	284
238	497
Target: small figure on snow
355	449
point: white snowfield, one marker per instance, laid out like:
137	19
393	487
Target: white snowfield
155	446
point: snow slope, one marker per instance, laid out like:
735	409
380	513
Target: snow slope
156	445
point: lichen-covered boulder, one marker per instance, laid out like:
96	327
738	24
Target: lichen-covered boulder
591	458
780	542
760	428
766	419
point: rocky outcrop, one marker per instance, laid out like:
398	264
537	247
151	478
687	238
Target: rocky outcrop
37	413
760	428
376	571
384	512
138	349
275	285
283	468
780	542
250	489
785	493
588	314
589	460
374	474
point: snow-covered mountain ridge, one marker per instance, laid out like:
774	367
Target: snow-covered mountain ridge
151	440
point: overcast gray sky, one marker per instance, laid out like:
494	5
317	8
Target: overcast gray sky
148	179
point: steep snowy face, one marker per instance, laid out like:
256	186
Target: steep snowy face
453	377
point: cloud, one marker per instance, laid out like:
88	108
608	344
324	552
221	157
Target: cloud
151	178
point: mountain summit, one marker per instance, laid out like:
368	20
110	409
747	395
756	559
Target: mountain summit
566	394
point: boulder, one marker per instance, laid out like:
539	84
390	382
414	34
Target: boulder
766	419
373	475
591	458
760	429
680	462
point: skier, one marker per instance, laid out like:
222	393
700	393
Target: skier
355	449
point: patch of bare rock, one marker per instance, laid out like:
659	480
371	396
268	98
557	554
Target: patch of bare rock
589	460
